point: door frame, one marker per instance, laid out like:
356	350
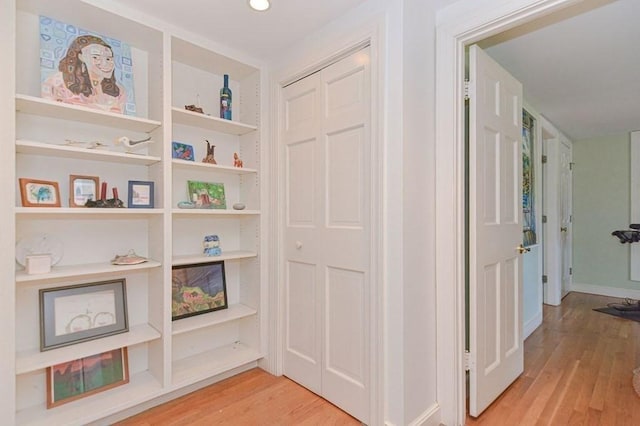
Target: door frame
372	35
458	25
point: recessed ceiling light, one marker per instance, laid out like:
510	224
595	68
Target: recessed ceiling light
259	5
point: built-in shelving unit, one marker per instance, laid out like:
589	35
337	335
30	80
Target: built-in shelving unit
54	140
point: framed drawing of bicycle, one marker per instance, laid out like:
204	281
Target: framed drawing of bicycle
78	313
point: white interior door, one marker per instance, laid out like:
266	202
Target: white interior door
495	230
565	215
326	245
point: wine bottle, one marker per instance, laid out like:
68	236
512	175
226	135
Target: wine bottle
225	100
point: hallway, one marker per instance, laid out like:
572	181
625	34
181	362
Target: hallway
578	370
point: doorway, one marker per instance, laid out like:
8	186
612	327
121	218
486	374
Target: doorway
455	31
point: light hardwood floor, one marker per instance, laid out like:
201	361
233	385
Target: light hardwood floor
251	398
578	368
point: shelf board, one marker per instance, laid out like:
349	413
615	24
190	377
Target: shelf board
67	151
232	313
213	212
199	258
141	388
69	271
195	119
184	164
76	212
207	364
33	360
63	111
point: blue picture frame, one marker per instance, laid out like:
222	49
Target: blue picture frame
141	194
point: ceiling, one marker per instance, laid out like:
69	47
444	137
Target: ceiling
578	67
262	35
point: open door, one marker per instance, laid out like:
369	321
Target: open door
495	230
565	216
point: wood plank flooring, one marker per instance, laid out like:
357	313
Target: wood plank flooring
578	370
251	398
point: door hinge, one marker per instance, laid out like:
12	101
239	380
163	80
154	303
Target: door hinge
544	159
467	361
544	218
570	218
570	271
571	166
545	279
466	89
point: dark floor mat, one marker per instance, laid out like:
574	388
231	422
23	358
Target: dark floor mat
631	315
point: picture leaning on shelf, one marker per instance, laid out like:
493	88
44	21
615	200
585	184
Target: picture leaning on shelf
207	195
78	313
197	289
39	193
81	67
72	380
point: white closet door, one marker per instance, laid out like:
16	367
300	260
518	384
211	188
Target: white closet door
495	230
326	135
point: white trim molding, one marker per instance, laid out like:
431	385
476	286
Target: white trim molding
431	417
459	25
531	325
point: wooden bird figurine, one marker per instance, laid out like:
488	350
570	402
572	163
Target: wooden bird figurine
132	145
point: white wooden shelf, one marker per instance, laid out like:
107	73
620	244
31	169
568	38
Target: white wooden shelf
207	122
62	111
184	164
33	360
142	387
71	271
199	258
206	364
72	152
232	313
75	212
214	212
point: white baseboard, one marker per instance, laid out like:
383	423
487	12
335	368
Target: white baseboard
606	291
431	417
531	325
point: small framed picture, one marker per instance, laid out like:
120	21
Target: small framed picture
140	194
182	151
82	377
197	289
78	313
206	195
39	193
83	189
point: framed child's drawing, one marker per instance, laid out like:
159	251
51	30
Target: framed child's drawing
84	68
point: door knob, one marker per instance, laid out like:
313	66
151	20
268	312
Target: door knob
563	229
522	249
298	245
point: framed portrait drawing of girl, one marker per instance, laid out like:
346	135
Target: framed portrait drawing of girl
84	68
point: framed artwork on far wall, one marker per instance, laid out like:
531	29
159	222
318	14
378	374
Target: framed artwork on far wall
82	377
83	189
197	289
140	194
39	193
